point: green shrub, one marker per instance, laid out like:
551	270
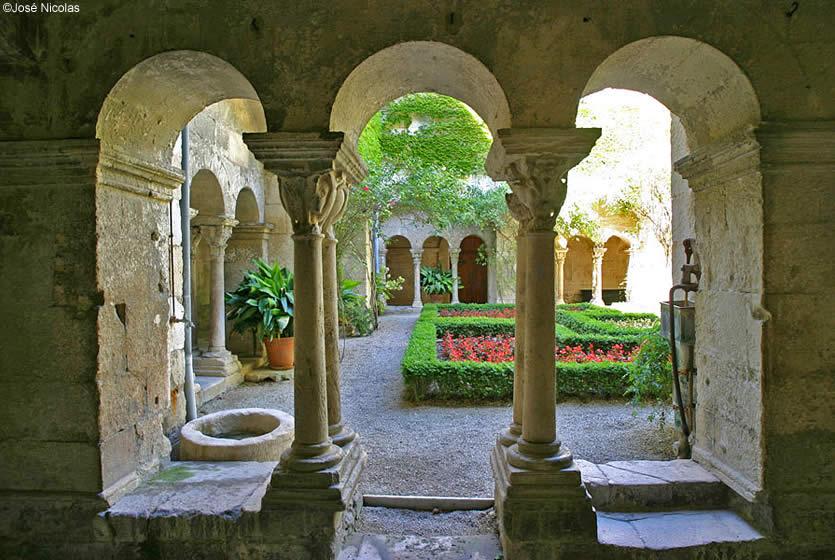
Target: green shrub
596	321
650	376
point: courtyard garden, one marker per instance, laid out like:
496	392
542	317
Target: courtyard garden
466	352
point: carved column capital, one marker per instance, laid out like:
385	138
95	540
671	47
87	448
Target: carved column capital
417	255
216	234
339	185
560	255
454	253
518	210
310	166
598	251
535	161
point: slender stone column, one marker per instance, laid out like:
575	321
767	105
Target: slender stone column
597	275
417	255
339	434
217	360
453	257
522	215
383	266
560	254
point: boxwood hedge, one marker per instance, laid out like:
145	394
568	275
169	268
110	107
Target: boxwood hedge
428	377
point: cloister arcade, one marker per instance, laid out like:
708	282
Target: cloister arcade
87	189
409	244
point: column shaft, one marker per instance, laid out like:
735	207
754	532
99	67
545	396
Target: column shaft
511	435
453	257
312	449
561	254
416	257
597	275
330	290
217	326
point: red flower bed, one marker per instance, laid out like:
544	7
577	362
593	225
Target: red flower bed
506	313
498	349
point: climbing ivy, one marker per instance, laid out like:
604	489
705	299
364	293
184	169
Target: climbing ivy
422	151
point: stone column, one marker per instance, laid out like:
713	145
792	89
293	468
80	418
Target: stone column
339	434
597	275
217	361
522	215
453	258
560	254
536	478
417	255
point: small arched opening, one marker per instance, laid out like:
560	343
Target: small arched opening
578	269
615	269
400	265
472	269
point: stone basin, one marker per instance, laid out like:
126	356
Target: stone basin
243	434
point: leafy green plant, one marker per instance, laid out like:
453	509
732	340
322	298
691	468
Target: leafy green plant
386	287
263	302
436	281
649	378
354	314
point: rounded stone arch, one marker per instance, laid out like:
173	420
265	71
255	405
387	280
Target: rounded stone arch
616	264
248	210
412	67
207	195
400	265
578	269
717	109
145	110
700	84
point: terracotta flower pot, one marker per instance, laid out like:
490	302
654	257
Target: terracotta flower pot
280	352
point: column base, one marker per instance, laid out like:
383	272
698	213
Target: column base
511	435
222	363
314	511
417	304
598	302
307	458
341	435
542	513
539	456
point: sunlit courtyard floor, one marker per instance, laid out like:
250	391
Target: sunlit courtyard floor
444	450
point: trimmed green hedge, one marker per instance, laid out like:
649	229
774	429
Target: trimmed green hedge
594	321
426	376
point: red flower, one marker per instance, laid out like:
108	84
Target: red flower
500	348
366	189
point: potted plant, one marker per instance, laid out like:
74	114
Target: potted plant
437	283
263	305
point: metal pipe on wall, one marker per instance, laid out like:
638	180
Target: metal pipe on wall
185	226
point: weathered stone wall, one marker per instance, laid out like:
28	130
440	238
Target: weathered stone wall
683	217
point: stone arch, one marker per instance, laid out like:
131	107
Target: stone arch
717	162
207	195
435	255
137	251
473	274
700	84
149	105
615	266
578	269
399	264
247	209
417	66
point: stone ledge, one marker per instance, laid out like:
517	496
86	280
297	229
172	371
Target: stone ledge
643	485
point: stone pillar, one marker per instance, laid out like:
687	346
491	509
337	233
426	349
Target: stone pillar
541	502
492	266
417	255
217	361
453	258
339	434
316	483
597	275
560	254
522	215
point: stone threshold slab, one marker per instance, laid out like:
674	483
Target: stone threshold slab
187	488
384	547
673	529
427	503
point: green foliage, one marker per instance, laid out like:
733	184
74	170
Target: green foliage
426	169
649	379
386	287
354	314
575	222
435	281
597	320
263	302
426	376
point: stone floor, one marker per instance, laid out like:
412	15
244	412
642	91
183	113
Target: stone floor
443	450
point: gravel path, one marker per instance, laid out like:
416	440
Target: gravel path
444	450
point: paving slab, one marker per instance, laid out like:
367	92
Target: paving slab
411	547
673	529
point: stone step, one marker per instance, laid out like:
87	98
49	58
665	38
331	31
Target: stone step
652	486
413	547
678	534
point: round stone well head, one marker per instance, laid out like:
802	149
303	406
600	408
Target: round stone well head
242	434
